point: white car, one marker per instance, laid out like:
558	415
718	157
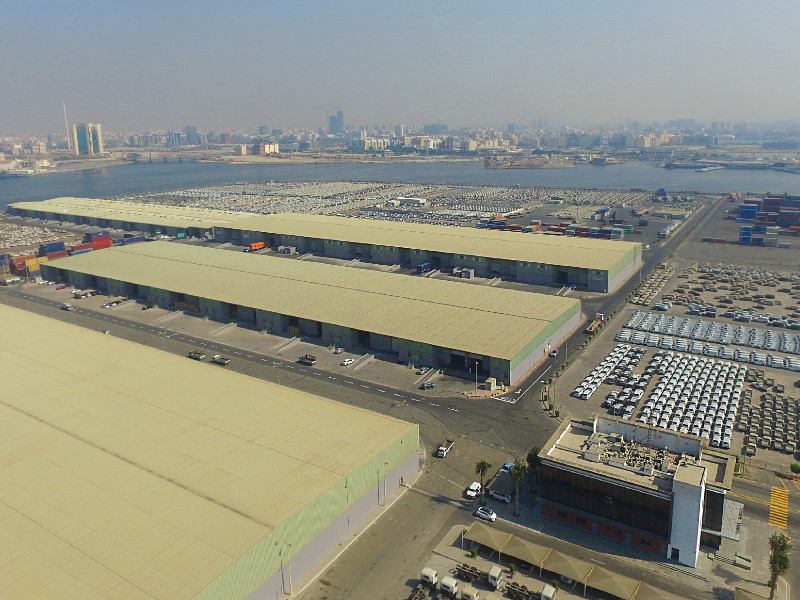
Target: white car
487	514
473	490
506	467
347	361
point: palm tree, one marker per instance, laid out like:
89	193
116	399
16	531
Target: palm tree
481	468
779	548
517	473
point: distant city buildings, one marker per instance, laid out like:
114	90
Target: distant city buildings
87	139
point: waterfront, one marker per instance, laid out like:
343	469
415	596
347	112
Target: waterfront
139	178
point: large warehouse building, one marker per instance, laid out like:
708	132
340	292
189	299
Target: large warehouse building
425	321
591	264
132	473
655	489
155	219
596	265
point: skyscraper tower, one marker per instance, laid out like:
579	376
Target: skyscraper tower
191	135
336	123
87	139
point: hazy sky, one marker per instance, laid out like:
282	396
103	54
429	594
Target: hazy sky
227	64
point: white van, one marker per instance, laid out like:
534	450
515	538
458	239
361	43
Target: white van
450	587
429	577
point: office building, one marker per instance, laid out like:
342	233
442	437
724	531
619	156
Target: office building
655	489
87	139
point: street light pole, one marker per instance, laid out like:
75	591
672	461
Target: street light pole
476	377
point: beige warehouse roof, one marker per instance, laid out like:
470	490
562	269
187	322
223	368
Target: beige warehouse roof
478	319
152	214
586	253
130	473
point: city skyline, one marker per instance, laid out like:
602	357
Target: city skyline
150	66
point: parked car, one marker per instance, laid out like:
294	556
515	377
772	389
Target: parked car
428	385
338	350
347	361
61	287
500	496
487	514
473	490
197	355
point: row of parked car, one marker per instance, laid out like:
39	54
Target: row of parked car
695	395
721	333
616	368
776	361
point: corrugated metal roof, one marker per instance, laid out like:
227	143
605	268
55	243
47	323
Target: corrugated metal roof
586	253
152	214
130	473
477	319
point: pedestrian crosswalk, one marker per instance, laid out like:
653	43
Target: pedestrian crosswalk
779	507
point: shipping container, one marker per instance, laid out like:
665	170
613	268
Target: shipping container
60	254
84	251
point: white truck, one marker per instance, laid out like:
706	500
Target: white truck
495	576
444	448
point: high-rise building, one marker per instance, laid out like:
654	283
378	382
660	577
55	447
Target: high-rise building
87	139
174	139
191	135
336	123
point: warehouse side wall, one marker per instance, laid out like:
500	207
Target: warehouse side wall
287	576
547	341
315	530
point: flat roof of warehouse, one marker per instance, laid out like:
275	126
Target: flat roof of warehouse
587	253
135	212
126	472
476	319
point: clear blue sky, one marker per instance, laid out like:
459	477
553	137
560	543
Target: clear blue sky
148	65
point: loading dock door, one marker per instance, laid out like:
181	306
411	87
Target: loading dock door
561	276
363	339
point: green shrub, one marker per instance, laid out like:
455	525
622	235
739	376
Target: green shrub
795	467
473	552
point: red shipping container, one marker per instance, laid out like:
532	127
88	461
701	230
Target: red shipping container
21	259
101	238
81	247
101	245
53	255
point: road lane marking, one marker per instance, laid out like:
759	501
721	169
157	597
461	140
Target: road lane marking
779	507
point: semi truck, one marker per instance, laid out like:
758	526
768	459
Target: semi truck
444	448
